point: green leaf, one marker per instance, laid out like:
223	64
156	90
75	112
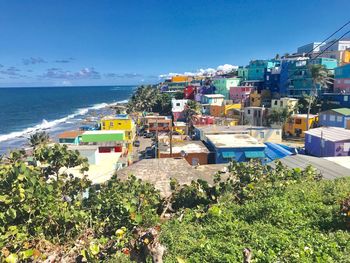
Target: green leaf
94	248
180	260
12	213
27	253
138	218
12	258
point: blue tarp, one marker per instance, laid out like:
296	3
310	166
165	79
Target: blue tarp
275	151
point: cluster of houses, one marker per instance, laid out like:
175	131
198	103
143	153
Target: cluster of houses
232	123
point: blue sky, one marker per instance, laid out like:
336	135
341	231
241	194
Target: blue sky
71	42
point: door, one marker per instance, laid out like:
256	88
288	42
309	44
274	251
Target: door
348	124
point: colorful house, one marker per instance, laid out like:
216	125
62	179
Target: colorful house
296	125
213	99
203	120
335	118
107	140
70	137
342	79
327	142
120	122
255	115
237	147
240	94
160	125
335	100
284	103
300	79
194	152
258	68
189	92
223	85
242	73
178	108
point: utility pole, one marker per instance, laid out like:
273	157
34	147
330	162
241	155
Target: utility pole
171	138
156	148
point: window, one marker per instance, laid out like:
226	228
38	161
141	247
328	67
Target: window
276	102
262	135
248	111
339	118
346	98
297	121
178	104
331	117
281	103
278	133
346	147
324	117
111	124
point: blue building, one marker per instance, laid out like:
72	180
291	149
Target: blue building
237	147
273	80
335	100
258	68
335	118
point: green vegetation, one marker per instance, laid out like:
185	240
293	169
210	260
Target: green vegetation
149	98
276	213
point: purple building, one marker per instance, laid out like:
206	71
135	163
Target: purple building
327	142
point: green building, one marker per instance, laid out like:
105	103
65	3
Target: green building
103	136
299	75
223	85
242	73
258	68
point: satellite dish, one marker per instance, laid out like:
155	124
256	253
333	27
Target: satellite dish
183	153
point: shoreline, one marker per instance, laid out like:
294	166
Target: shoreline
18	139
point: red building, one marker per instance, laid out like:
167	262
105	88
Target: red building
203	120
189	92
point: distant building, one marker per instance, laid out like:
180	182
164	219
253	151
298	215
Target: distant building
203	120
213	99
327	141
284	103
296	125
237	147
335	118
240	94
258	68
255	115
70	137
299	75
273	80
336	45
336	100
189	92
242	73
258	99
223	85
342	79
178	107
313	47
195	152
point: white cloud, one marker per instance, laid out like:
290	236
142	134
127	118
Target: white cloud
222	69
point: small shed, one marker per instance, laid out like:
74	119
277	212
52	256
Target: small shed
327	142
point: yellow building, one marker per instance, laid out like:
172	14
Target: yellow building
180	127
296	125
180	79
121	122
255	99
232	110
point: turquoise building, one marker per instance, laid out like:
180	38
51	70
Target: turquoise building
258	68
223	85
299	75
242	73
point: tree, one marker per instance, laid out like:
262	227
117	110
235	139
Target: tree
192	108
279	116
321	79
38	138
58	156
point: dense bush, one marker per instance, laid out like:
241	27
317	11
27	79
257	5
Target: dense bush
281	215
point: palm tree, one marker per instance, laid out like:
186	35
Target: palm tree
321	79
38	138
192	108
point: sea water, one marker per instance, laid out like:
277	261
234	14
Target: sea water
24	111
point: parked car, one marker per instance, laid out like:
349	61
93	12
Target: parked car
149	153
149	135
136	143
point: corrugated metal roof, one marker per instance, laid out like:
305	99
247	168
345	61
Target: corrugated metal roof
333	134
328	169
274	151
70	134
342	111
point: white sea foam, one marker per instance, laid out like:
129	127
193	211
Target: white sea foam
45	125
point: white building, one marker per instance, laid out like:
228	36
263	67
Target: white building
313	47
336	45
178	105
282	103
254	115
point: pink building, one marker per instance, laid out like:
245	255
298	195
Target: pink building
203	120
240	94
342	85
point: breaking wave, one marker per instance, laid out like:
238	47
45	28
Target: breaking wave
45	125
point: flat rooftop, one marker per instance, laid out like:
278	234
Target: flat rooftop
303	116
214	96
70	134
222	129
104	132
187	146
234	141
159	172
333	134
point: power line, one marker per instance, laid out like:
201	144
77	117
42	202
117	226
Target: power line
324	41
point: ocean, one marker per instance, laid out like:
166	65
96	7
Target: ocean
24	111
